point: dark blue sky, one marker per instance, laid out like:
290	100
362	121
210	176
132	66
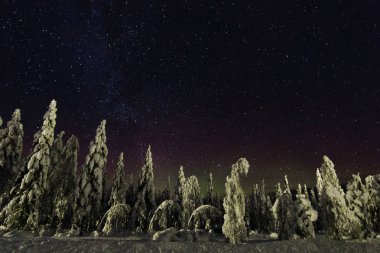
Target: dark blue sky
279	82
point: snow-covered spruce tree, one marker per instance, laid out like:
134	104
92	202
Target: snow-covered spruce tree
299	189
316	196
276	205
339	221
164	194
234	204
3	134
210	191
218	202
118	184
67	188
169	188
194	192
130	190
305	215
54	178
145	203
56	154
305	191
329	175
248	208
181	184
373	204
182	198
254	208
91	185
325	174
286	185
278	191
286	218
11	141
25	207
313	199
189	196
319	185
266	217
117	215
186	207
357	197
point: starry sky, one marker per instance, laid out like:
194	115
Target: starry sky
204	82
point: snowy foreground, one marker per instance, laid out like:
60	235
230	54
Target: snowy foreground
256	243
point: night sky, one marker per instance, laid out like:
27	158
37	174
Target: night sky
204	82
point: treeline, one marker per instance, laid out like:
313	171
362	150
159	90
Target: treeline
46	194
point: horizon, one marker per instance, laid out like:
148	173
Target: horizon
162	179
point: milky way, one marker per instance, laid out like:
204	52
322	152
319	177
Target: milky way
281	83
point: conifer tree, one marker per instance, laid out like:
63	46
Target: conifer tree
234	227
266	217
56	153
286	214
118	184
181	184
210	192
373	204
305	215
145	203
117	214
91	186
11	141
182	198
130	191
194	192
186	206
25	207
339	221
3	135
313	199
11	144
319	184
357	197
278	190
305	191
329	175
162	195
316	200
254	210
169	187
286	186
190	196
54	176
67	193
299	189
276	206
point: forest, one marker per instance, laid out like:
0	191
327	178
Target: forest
49	194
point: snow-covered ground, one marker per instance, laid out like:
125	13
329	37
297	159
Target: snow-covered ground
256	243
